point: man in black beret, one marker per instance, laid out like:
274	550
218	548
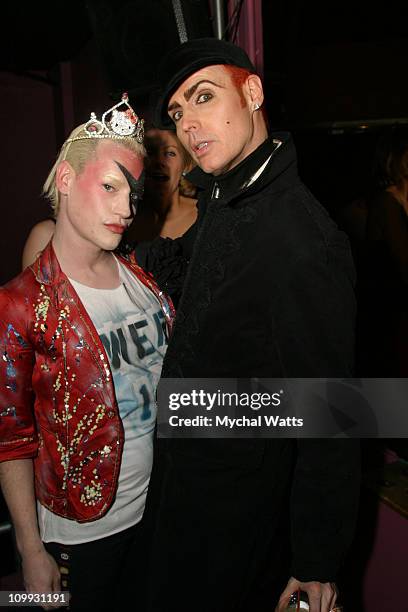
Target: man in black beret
269	294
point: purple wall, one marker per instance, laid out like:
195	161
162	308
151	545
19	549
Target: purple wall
27	149
36	117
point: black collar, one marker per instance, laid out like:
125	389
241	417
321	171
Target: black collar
239	178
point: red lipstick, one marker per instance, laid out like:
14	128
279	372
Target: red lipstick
114	228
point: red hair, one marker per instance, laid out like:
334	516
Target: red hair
238	77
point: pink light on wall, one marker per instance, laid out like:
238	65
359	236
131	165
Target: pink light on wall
249	33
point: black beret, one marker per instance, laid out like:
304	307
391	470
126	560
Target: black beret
187	59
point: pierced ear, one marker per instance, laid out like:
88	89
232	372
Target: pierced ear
255	90
63	176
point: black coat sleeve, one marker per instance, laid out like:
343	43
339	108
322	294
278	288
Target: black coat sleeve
315	337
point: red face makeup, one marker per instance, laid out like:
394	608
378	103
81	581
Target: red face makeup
101	199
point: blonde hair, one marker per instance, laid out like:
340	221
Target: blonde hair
186	188
77	154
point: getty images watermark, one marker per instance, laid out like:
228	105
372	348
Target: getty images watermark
221	400
283	408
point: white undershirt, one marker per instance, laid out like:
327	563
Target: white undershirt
130	323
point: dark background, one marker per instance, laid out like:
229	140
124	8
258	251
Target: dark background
335	75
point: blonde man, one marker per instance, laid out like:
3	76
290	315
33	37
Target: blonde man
83	334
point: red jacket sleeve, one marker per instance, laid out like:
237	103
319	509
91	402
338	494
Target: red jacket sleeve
18	436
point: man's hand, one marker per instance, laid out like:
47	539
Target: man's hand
41	574
322	595
40	571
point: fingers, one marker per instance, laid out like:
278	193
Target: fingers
314	593
56	586
56	581
45	579
283	602
332	601
322	597
292	586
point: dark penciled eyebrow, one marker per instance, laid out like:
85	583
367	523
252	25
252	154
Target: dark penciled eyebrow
190	91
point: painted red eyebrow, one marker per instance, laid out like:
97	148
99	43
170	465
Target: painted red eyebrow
190	91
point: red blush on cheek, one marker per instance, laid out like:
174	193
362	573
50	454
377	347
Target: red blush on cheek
89	178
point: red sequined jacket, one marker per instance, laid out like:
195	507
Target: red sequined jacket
57	399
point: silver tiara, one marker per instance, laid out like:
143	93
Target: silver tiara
115	123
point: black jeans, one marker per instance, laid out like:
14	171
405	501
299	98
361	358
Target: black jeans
106	574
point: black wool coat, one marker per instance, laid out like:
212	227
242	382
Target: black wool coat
269	293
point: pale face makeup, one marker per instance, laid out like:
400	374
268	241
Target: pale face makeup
99	204
211	121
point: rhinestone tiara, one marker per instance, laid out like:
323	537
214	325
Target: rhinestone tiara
115	123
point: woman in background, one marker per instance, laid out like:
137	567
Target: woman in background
163	232
168	209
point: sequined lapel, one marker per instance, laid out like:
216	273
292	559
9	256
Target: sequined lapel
59	294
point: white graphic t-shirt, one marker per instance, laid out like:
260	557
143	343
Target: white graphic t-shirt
131	326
